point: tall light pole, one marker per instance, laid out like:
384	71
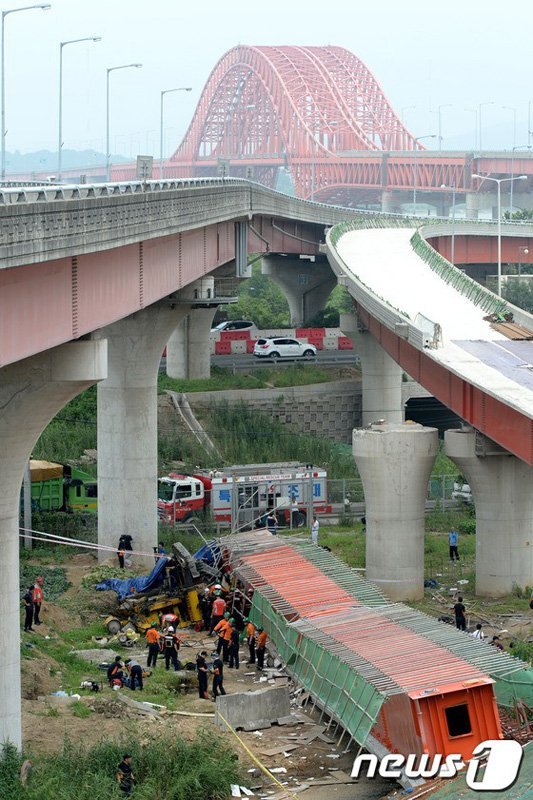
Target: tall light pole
415	178
107	153
60	122
163	93
498	182
480	126
474	112
452	187
445	105
3	132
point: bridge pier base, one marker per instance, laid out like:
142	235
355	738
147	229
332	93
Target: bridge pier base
31	394
188	349
382	377
127	426
306	284
391	202
477	201
502	487
395	463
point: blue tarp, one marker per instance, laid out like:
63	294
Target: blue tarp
143	583
209	553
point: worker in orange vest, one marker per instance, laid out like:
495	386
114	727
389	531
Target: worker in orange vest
217	611
223	629
250	636
37	595
152	637
261	645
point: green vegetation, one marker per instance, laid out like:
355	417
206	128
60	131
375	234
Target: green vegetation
71	432
165	768
223	379
98	574
248	436
262	301
80	710
55	581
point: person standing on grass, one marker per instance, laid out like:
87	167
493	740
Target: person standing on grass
453	539
218	678
459	610
171	646
125	777
314	530
203	675
37	595
28	607
152	636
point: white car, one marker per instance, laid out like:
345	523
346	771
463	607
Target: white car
283	347
235	325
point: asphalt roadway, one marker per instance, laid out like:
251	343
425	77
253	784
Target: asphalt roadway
323	358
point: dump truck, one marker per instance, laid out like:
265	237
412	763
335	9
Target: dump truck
243	493
60	487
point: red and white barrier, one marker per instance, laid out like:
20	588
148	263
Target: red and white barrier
238	342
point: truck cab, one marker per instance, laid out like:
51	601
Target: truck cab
180	497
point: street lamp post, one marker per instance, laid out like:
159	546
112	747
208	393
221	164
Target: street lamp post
108	155
480	126
163	93
60	123
446	105
453	189
529	131
498	182
3	132
415	176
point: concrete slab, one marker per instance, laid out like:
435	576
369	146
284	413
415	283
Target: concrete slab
248	709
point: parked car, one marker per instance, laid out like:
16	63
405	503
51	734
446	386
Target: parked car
283	348
235	325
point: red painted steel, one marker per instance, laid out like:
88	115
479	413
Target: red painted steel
505	425
432	678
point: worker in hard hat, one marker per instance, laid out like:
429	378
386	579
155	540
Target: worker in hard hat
221	629
152	637
37	595
217	611
171	646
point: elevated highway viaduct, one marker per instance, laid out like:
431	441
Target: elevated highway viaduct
94	280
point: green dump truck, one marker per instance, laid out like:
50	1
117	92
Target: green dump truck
60	487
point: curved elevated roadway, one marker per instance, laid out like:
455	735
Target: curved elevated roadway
436	323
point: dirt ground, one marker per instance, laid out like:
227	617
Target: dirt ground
310	768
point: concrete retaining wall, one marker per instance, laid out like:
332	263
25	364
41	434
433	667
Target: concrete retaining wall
326	409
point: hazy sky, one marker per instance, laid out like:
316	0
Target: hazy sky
423	53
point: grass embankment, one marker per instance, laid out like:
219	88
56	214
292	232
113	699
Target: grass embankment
165	767
269	377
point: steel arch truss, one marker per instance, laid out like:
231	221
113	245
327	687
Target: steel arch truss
294	107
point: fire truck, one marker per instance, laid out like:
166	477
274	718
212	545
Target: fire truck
243	494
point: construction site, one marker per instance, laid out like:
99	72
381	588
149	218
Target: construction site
345	672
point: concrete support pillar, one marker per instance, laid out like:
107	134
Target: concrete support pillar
502	488
382	377
482	201
188	349
306	284
395	463
127	425
31	394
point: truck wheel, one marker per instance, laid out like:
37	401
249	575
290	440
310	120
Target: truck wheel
301	519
